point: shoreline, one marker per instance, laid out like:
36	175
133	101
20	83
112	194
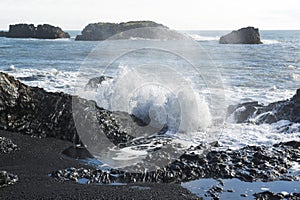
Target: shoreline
36	158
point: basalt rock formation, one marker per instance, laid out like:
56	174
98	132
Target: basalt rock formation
249	35
258	113
44	31
126	30
33	111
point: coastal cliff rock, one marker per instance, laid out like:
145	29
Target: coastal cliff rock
249	35
126	30
3	33
44	31
33	111
274	112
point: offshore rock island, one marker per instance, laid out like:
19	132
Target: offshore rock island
126	30
248	35
44	31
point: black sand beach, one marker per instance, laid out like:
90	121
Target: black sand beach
36	158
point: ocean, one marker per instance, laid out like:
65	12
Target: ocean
186	85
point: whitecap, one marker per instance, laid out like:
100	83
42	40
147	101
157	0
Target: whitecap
270	41
203	38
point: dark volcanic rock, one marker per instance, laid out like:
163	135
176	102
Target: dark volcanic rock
7	179
267	195
44	31
3	33
33	111
93	83
250	163
249	35
47	31
274	112
6	145
133	29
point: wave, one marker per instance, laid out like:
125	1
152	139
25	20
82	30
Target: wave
203	38
271	41
51	79
157	104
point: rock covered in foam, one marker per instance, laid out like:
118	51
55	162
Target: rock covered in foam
248	35
258	113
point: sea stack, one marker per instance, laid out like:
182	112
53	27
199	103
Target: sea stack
126	30
44	31
248	35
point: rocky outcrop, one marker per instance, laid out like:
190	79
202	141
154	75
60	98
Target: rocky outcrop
44	31
133	29
7	179
267	195
251	163
6	145
274	112
3	33
93	83
33	111
249	35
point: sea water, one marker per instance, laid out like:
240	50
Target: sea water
265	73
154	80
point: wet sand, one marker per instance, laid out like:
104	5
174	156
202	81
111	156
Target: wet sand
36	158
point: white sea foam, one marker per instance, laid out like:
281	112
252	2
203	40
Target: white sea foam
291	67
51	79
185	109
270	41
12	68
236	136
203	38
149	97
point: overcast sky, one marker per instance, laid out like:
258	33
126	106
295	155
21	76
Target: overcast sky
176	14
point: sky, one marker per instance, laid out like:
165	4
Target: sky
179	15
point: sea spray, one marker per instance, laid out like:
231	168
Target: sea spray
156	101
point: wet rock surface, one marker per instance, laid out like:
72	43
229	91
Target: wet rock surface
271	196
94	83
126	30
253	112
35	112
6	145
44	31
250	163
7	179
248	35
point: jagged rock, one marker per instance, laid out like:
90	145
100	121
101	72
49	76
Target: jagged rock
250	163
132	29
6	145
7	179
93	83
44	31
33	111
267	195
249	35
47	31
274	112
